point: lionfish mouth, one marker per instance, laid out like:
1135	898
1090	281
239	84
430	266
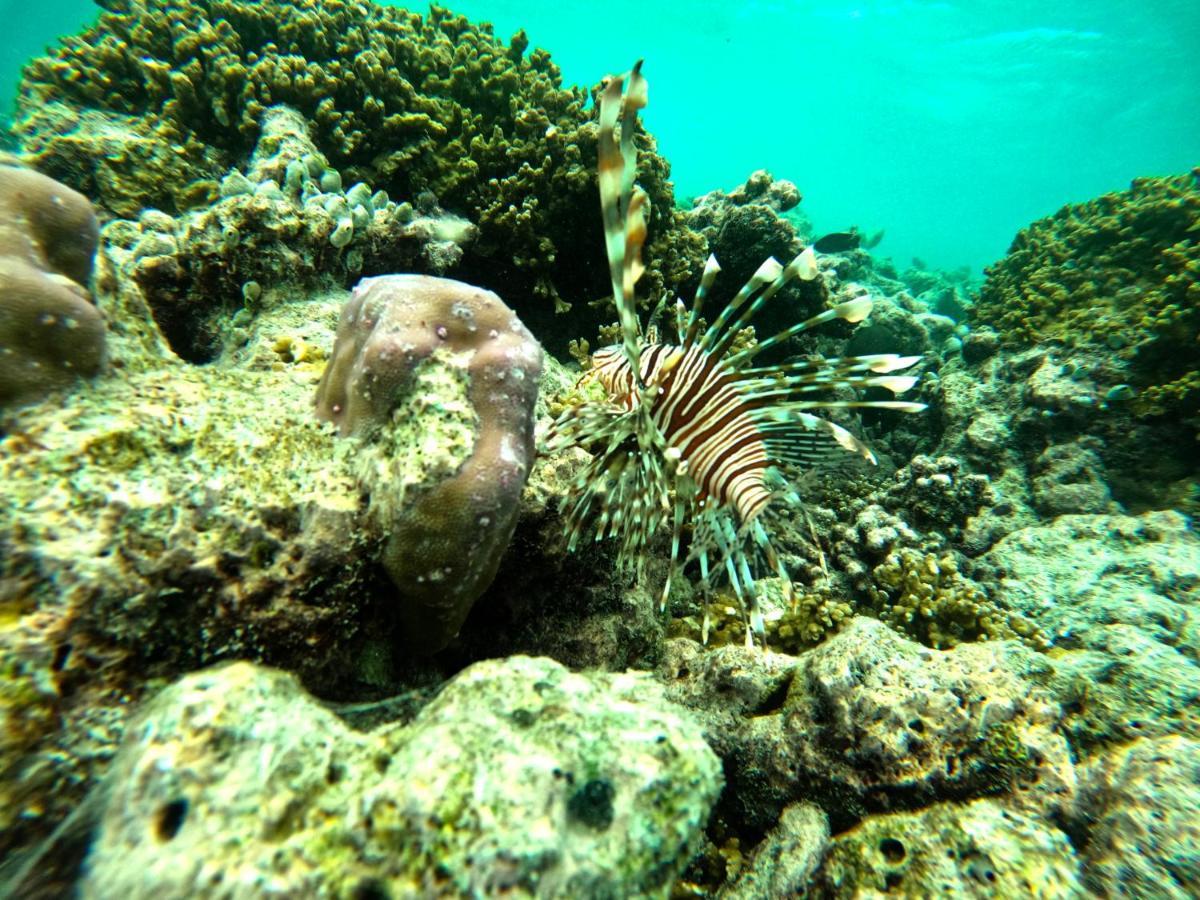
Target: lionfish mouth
693	435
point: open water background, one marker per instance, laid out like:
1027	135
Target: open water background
949	124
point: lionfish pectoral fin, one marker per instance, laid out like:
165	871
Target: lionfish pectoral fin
854	310
757	625
805	265
897	384
882	363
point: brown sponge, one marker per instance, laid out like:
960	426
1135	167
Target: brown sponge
402	337
50	332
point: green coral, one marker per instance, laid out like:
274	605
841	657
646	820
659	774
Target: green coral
927	598
816	615
1120	273
157	101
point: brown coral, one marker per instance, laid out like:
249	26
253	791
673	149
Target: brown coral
443	543
50	332
159	95
1120	273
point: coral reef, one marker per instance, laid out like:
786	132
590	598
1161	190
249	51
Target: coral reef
168	523
282	227
406	343
988	682
188	514
520	777
901	549
1054	436
155	104
1119	272
50	331
928	598
164	524
815	614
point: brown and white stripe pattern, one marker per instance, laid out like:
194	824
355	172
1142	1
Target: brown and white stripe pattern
693	433
698	408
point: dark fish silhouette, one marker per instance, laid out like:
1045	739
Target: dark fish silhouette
838	242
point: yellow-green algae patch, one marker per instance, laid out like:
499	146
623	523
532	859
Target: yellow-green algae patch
211	449
925	597
1120	273
952	850
789	628
430	435
28	699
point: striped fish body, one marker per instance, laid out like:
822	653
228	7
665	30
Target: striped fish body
702	415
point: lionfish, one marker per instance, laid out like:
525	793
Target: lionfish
693	432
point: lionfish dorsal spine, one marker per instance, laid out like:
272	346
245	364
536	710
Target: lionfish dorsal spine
766	273
851	311
803	266
622	204
711	268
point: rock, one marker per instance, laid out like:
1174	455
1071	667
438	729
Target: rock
869	721
977	849
1117	594
1071	479
1139	813
786	859
520	778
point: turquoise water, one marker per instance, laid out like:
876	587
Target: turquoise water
325	572
950	125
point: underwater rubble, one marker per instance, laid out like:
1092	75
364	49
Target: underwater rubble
224	673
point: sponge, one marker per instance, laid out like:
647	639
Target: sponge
438	378
50	331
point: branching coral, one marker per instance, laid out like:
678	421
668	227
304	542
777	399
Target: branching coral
285	222
816	615
158	101
926	597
